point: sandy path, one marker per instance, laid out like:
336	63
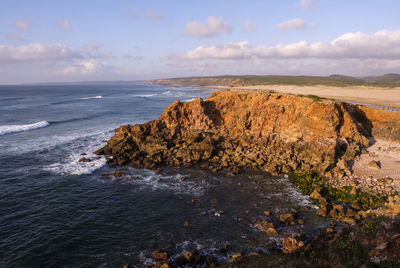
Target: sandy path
373	95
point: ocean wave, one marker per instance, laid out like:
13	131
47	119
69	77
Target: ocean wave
74	167
153	181
70	164
168	92
144	95
6	129
89	98
189	100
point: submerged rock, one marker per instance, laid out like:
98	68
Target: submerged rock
84	160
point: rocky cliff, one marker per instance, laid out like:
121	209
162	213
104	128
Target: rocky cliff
238	130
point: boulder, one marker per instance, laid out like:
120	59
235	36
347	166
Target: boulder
374	164
290	244
159	256
84	160
286	218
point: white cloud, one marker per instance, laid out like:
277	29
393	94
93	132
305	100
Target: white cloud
85	67
249	26
36	52
383	44
214	26
307	4
294	24
154	15
241	50
21	25
64	24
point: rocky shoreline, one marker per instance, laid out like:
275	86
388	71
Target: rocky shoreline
317	142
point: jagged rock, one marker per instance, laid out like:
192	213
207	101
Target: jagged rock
159	256
267	213
188	255
186	224
286	218
238	130
290	244
117	173
322	211
264	225
235	256
272	232
84	160
374	164
329	230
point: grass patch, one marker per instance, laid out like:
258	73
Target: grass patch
307	182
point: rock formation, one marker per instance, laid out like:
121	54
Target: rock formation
239	130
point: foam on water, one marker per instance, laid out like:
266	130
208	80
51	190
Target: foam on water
94	97
6	129
74	167
70	164
144	95
173	183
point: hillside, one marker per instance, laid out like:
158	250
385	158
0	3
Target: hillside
387	80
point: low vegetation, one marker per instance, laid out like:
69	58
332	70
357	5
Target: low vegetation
388	80
308	182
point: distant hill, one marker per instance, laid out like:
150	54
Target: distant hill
387	80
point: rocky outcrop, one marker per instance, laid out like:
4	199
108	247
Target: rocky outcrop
239	130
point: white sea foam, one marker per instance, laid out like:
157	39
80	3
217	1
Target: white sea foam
189	100
6	129
74	167
144	95
94	97
71	165
149	179
168	92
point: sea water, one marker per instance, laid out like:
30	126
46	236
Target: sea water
58	212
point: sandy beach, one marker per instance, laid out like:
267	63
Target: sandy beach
373	95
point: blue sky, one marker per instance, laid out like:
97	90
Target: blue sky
42	41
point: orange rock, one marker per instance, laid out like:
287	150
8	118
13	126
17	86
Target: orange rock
290	244
159	256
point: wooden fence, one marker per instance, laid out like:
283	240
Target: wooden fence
376	106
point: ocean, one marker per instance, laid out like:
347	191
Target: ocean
58	212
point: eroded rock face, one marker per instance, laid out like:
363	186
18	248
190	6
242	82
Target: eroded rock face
239	130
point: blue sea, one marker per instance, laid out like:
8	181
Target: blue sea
58	212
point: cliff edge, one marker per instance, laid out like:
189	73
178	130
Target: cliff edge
238	130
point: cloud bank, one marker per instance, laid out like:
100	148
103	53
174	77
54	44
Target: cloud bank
383	44
214	26
36	52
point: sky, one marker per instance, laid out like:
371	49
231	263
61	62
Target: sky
103	40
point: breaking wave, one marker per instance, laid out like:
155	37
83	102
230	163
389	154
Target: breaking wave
6	129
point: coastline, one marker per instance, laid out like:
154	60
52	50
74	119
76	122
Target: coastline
325	140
